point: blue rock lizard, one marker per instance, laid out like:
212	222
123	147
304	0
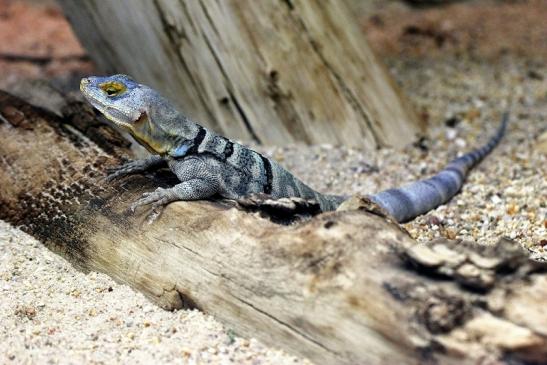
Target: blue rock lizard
208	164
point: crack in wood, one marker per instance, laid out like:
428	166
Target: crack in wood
182	4
285	108
350	97
187	302
286	325
244	117
289	4
229	89
186	248
169	30
209	19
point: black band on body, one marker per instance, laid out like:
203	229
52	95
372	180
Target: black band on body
228	149
197	140
269	175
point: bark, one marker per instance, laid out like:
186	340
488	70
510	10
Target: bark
276	72
346	287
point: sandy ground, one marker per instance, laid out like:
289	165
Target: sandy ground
52	313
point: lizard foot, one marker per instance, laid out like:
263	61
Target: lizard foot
157	198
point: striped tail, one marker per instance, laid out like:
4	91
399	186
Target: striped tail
410	201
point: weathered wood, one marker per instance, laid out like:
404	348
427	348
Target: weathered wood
271	71
346	287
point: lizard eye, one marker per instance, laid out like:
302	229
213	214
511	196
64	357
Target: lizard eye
113	88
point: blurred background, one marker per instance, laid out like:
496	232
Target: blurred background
36	40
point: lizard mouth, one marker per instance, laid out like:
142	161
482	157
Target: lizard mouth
117	117
114	115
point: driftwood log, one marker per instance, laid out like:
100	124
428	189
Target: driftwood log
347	287
270	71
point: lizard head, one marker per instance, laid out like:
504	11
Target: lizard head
117	97
135	108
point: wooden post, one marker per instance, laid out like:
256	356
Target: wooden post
275	72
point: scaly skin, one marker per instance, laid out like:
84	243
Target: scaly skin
418	198
208	164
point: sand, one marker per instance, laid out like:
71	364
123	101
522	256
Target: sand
52	313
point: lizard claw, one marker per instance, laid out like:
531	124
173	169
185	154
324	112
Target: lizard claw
113	176
157	198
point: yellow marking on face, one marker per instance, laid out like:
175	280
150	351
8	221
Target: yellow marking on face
142	131
113	88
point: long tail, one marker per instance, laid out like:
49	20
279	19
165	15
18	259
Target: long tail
410	201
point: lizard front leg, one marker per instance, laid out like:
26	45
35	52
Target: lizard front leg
198	181
135	167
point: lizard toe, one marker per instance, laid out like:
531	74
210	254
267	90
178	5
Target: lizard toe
113	176
127	168
157	198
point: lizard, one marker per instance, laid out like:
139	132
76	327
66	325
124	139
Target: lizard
208	164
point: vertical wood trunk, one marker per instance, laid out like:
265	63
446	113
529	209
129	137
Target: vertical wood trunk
276	72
